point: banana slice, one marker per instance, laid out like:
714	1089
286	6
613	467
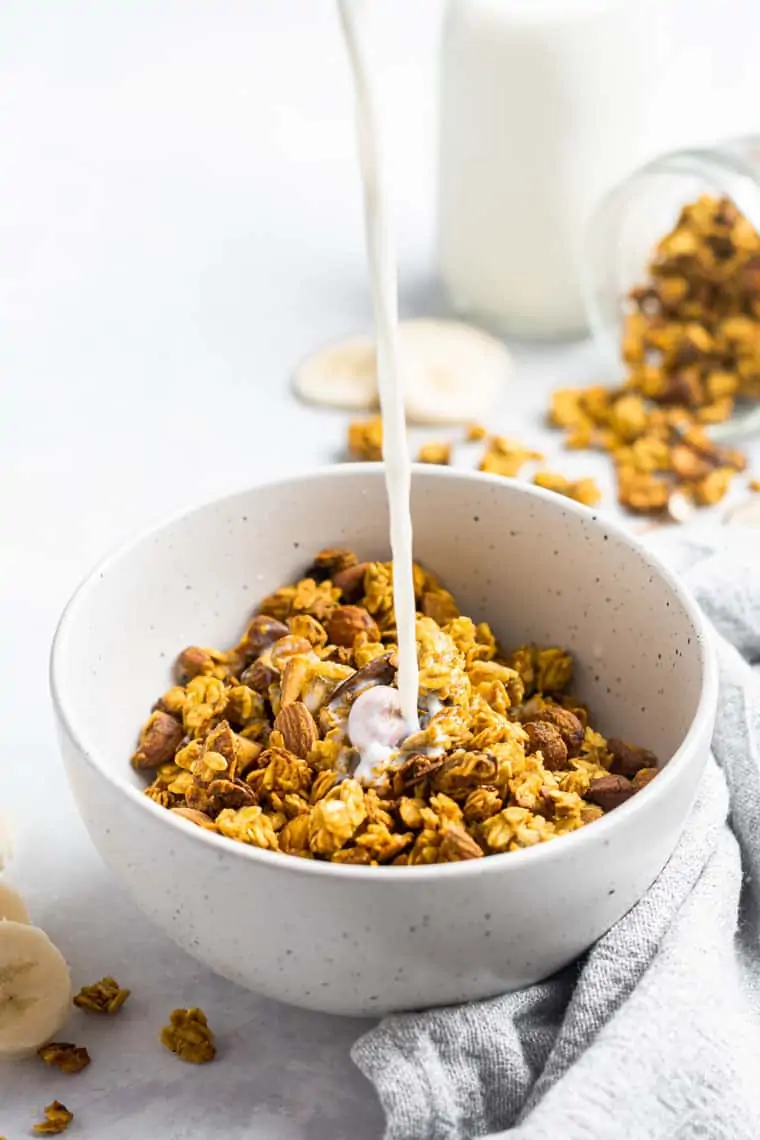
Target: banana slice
35	989
452	372
745	513
6	840
12	906
341	375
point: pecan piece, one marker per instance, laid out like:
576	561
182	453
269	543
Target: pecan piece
546	739
379	671
627	759
350	581
567	724
414	770
230	794
262	633
609	792
347	622
160	738
298	728
330	562
259	677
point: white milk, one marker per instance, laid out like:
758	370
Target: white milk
382	264
544	105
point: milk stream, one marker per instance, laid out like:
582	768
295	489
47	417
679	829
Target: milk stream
354	15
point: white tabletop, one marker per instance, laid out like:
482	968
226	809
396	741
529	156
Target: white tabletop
179	224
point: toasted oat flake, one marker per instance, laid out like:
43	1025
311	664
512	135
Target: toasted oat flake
189	1037
105	996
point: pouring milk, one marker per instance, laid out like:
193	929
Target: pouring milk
382	716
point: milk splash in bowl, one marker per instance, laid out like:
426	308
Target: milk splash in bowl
382	717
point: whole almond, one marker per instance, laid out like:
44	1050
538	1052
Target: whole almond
347	621
298	728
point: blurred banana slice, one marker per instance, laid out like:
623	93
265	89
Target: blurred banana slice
745	513
12	906
342	375
6	839
452	372
35	989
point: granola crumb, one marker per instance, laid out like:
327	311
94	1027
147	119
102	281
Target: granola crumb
365	440
475	433
189	1037
65	1056
754	485
582	490
506	456
58	1118
439	453
105	996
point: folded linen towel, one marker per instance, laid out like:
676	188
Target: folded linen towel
655	1033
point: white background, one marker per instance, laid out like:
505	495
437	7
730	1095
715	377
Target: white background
179	225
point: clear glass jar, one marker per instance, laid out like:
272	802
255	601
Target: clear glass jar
632	218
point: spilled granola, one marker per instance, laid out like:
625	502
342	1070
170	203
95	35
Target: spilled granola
64	1056
107	996
505	758
189	1037
57	1119
691	348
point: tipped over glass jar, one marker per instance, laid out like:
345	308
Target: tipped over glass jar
671	268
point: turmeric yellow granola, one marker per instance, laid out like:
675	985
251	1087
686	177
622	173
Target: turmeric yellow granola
691	349
251	742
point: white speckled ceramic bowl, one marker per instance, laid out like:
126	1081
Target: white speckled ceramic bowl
358	940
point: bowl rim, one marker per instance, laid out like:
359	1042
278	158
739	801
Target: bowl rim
491	864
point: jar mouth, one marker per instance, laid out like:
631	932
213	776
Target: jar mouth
635	214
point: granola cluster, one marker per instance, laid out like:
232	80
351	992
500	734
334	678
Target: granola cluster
501	456
252	742
188	1036
691	349
691	346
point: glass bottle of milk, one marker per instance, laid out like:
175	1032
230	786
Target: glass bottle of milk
545	104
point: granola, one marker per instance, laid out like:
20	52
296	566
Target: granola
105	996
57	1119
65	1056
439	453
365	439
188	1035
505	756
691	348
